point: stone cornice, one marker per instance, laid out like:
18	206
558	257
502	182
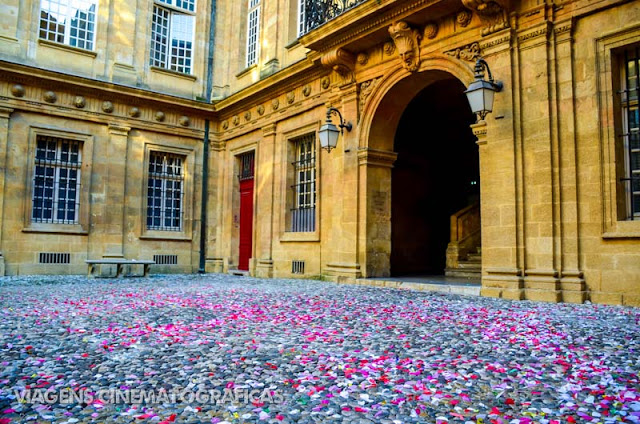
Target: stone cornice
380	158
46	78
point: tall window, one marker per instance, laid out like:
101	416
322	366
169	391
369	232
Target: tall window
631	133
302	27
303	214
71	22
56	180
253	29
172	32
165	189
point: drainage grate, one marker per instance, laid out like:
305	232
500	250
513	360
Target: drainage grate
55	258
166	259
297	267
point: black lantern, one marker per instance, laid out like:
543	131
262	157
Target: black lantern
329	132
480	92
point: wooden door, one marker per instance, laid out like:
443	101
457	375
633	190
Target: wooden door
246	210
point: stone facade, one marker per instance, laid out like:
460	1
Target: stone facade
554	222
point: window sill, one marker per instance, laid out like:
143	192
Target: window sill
299	237
623	230
169	72
294	43
245	71
71	229
165	235
66	47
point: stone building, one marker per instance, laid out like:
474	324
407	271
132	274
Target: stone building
543	191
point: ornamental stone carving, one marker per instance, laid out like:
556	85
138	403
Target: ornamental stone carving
431	30
342	62
470	52
50	97
260	110
79	102
407	42
275	104
291	97
362	58
463	18
107	106
235	120
366	88
247	116
492	13
325	83
184	121
389	48
159	116
225	125
18	90
306	90
134	112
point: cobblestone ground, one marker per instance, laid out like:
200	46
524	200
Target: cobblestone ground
210	349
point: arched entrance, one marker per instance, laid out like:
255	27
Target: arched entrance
419	164
436	174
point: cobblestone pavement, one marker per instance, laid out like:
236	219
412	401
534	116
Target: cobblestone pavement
216	348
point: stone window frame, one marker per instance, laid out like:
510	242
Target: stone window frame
187	196
254	14
82	225
288	179
166	65
608	47
67	36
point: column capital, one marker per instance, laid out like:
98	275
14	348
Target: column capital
118	129
268	130
5	112
480	131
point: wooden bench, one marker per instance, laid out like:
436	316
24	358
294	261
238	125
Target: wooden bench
119	263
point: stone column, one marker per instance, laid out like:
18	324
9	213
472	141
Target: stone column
347	244
5	114
265	163
216	261
114	197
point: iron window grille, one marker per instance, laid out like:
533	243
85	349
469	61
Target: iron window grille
303	213
165	190
56	180
247	166
69	22
631	130
253	30
172	34
315	13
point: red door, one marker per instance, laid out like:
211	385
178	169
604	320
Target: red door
246	211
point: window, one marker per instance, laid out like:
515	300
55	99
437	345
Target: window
165	189
303	214
172	33
302	27
630	129
56	180
253	25
70	22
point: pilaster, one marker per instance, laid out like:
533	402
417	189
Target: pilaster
115	190
265	205
5	114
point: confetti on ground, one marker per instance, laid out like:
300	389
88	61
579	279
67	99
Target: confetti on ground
242	350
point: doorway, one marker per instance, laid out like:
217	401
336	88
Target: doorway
246	177
435	175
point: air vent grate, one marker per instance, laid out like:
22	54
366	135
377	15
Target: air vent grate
55	258
297	267
166	259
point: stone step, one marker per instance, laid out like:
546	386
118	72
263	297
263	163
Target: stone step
463	273
469	265
474	257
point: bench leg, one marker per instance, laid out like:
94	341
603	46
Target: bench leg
90	271
118	270
146	269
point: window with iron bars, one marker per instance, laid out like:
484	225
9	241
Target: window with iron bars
165	190
70	22
303	213
630	130
56	180
172	33
253	32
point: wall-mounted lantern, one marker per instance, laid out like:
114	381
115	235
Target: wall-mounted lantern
480	92
329	132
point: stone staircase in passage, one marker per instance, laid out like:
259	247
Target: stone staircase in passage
464	252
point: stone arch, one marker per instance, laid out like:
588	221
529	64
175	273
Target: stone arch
381	114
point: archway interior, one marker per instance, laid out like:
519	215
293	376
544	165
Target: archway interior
436	174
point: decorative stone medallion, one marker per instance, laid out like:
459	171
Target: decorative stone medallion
159	116
431	30
79	102
362	58
184	121
235	120
225	125
17	90
275	104
325	83
134	112
306	90
260	110
389	48
247	116
291	97
463	18
50	97
107	106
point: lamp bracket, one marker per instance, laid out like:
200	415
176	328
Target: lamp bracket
343	123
